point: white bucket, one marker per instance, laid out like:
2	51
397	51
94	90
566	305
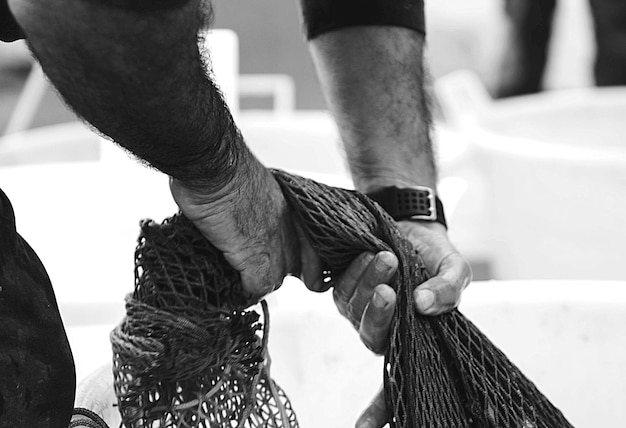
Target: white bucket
555	167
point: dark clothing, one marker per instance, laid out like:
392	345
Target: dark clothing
9	30
37	378
527	51
609	17
321	16
37	375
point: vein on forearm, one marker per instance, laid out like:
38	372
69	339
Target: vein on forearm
136	75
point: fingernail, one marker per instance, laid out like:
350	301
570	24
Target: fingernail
424	299
378	300
385	260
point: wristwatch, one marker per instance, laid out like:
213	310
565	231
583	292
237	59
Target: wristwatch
410	203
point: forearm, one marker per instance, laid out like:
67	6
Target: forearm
133	70
374	83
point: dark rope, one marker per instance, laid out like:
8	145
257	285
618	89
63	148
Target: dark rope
93	419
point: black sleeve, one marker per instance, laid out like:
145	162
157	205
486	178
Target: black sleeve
37	376
322	16
9	30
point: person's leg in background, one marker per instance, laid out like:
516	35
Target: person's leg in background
526	50
37	377
609	18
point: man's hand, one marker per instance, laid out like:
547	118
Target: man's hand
250	222
364	285
363	296
449	272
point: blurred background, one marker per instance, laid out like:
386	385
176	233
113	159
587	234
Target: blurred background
534	188
276	72
460	36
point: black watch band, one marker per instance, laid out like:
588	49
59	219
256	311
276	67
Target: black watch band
410	203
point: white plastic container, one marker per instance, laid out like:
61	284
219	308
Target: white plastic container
555	169
566	336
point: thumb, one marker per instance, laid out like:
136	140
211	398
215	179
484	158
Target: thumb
375	415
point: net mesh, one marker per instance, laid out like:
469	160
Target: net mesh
188	355
439	371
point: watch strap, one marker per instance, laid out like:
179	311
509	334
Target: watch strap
410	203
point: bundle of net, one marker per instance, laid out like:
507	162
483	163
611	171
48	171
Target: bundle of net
439	371
188	352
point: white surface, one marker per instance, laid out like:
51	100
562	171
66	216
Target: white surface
553	167
558	190
569	337
572	47
56	143
583	124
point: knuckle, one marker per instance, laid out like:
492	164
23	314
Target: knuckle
341	304
340	297
378	348
361	262
446	297
353	313
369	347
468	274
372	345
460	276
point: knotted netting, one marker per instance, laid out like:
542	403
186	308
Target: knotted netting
188	355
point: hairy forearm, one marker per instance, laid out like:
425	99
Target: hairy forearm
373	80
133	70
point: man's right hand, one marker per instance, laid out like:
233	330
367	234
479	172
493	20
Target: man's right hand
363	295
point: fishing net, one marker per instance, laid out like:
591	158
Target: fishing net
187	355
